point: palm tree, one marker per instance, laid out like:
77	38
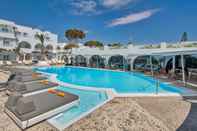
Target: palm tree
41	37
17	49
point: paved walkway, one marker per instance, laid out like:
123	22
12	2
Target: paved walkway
190	123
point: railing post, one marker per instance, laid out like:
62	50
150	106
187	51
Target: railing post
157	86
151	64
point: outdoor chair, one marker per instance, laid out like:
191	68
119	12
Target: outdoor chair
192	72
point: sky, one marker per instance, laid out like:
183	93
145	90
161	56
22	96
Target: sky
108	21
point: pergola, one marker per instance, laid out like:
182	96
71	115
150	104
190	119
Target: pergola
173	52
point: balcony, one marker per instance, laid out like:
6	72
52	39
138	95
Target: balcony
8	35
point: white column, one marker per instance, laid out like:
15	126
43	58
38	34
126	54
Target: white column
183	71
123	63
132	60
106	61
173	63
88	60
151	64
24	57
97	63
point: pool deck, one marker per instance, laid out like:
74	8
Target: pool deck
139	113
128	113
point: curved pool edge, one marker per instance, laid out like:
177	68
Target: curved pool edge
61	127
113	93
53	122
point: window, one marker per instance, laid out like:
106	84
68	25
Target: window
6	57
18	33
4	29
47	38
6	43
25	34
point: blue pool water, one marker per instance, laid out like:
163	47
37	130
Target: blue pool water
121	82
88	100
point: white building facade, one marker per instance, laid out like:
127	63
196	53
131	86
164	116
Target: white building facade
12	34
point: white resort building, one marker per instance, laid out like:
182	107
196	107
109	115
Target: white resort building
12	34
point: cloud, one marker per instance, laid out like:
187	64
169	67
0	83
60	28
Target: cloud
115	3
92	7
87	7
58	7
132	18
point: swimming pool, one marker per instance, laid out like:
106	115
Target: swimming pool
88	101
121	82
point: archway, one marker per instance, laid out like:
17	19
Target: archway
118	62
80	60
97	61
64	59
22	48
24	44
49	47
143	63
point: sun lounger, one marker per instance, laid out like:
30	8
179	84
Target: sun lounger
27	73
28	78
29	110
30	87
3	86
17	70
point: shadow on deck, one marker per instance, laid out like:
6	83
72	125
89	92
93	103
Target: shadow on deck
190	123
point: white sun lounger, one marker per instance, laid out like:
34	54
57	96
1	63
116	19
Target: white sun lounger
29	110
28	88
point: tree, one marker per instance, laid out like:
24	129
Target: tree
41	37
17	49
70	47
73	35
184	37
115	45
93	44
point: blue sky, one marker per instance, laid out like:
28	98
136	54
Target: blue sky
141	21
